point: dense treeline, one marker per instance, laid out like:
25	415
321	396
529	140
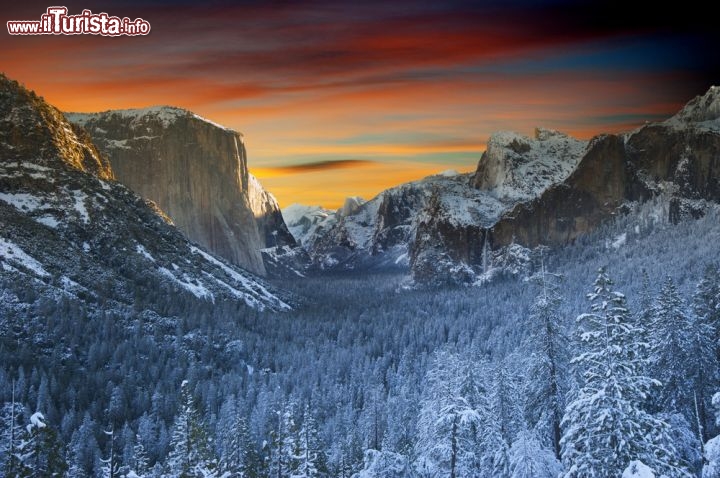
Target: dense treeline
559	373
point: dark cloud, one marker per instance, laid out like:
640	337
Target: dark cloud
319	166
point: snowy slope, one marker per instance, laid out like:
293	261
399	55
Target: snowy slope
66	230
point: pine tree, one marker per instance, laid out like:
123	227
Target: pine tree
110	465
683	358
605	426
240	458
83	450
190	452
530	459
447	441
10	437
501	420
140	462
706	307
41	450
548	362
312	461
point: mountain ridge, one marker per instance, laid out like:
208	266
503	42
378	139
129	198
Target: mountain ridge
69	230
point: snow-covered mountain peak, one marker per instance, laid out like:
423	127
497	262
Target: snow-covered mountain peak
516	167
351	205
704	109
163	114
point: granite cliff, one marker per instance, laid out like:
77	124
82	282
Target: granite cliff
69	233
197	173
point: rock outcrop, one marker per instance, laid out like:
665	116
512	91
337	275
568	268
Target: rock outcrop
197	173
451	208
68	232
678	159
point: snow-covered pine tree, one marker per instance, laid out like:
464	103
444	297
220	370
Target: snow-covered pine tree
240	459
447	435
83	451
312	460
140	463
547	370
605	425
42	452
190	452
706	306
530	459
683	358
502	419
706	302
712	447
284	446
110	466
10	436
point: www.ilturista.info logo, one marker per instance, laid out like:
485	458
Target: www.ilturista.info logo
57	22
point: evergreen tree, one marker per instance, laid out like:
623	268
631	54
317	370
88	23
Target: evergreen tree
190	452
312	461
530	459
42	452
447	441
140	462
240	458
548	362
83	450
10	436
110	465
605	426
501	420
683	358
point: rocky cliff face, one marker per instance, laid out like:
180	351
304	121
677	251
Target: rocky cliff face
196	171
446	211
69	232
678	159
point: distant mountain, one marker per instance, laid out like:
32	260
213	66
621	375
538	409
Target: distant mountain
676	161
197	172
68	231
380	232
546	190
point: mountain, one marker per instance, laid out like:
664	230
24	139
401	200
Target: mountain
380	233
547	190
676	162
197	172
69	232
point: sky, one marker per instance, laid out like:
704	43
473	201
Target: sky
339	98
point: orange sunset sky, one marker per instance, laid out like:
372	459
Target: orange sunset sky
346	98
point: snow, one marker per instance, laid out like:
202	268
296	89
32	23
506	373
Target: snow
522	167
637	469
23	201
303	221
86	247
165	114
143	252
240	279
211	122
69	283
448	173
37	420
10	252
80	198
619	241
195	287
48	220
703	112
